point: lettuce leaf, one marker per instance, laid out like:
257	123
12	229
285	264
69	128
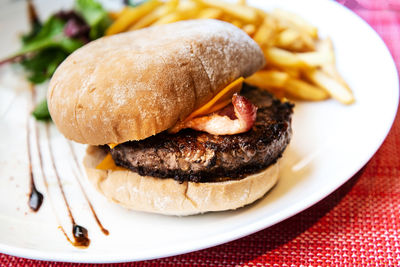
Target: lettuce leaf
94	15
41	111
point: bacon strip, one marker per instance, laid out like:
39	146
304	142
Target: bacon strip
235	118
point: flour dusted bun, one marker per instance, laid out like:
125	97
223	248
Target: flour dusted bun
136	84
168	196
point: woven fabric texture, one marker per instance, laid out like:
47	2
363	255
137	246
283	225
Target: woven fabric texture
358	224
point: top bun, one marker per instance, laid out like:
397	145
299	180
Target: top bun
136	84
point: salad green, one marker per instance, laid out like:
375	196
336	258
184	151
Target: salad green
41	111
48	43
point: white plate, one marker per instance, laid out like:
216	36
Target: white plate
331	143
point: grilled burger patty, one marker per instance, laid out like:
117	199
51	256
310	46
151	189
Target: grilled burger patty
201	157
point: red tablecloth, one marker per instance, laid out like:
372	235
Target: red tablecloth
358	224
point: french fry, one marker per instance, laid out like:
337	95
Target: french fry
326	46
323	56
243	13
185	10
265	34
237	23
210	13
333	72
296	21
308	42
266	79
332	86
287	37
150	18
292	72
302	90
316	59
294	41
299	65
169	18
155	15
130	15
261	13
172	4
280	57
250	29
114	15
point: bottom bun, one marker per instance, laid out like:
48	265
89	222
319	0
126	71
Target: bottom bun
168	196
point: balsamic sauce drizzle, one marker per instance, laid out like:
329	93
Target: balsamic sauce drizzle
35	197
75	232
80	233
40	157
46	181
102	228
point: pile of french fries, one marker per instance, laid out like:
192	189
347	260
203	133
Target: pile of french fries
300	65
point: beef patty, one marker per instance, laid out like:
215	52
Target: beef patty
201	157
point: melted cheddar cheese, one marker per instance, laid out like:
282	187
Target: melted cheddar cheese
219	101
108	164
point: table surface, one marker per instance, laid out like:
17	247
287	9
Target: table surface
358	224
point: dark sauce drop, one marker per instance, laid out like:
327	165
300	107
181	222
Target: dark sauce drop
79	233
80	236
35	198
102	228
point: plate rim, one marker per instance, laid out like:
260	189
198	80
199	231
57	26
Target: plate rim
225	237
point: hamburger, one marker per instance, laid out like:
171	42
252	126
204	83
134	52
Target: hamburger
171	127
